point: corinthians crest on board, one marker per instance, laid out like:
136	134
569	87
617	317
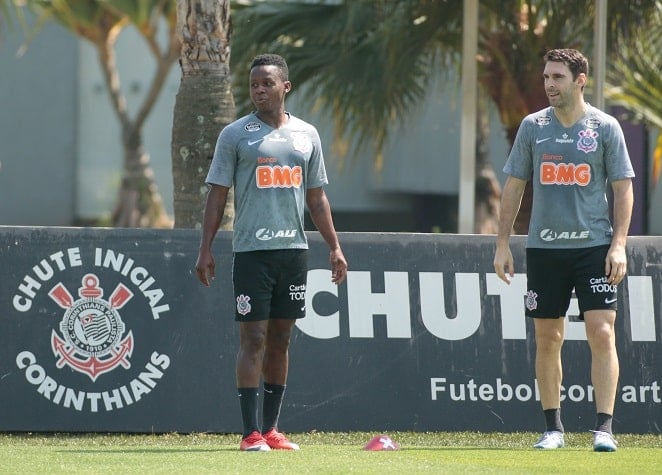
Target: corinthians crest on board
92	338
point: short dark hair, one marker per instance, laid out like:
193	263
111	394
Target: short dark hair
270	59
576	62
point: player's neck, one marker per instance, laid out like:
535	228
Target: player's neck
275	119
571	114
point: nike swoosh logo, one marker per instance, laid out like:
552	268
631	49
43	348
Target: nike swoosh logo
608	301
253	142
537	140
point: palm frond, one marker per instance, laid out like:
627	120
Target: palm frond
634	78
365	63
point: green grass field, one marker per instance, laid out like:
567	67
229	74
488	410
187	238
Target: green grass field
439	452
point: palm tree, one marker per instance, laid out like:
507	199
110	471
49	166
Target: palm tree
204	104
634	80
367	63
100	22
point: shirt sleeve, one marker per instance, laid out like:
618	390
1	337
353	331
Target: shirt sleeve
520	159
224	162
617	158
316	176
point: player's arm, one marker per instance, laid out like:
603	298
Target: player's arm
616	261
320	213
511	199
205	267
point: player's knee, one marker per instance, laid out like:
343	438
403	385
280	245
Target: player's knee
278	340
253	341
549	339
601	338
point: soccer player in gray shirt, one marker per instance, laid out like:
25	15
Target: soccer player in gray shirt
275	163
571	151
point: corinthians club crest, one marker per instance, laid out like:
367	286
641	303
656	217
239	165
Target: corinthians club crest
91	330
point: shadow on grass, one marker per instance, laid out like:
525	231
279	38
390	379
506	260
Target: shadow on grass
144	451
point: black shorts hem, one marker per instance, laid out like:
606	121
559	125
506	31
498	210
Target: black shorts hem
243	319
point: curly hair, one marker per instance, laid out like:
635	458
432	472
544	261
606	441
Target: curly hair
270	59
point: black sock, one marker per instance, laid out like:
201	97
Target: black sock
273	397
248	402
553	420
603	422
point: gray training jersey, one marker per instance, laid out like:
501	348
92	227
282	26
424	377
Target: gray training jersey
569	168
271	169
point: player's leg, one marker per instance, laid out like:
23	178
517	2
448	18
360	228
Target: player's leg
275	369
597	300
250	357
549	333
252	285
252	338
252	290
276	354
604	374
549	371
604	359
288	304
548	297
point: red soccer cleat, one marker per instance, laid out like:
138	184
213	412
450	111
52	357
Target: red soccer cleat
254	442
278	441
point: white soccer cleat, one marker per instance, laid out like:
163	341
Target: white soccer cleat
552	439
603	442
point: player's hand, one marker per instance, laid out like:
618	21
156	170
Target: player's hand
503	263
338	266
205	267
616	265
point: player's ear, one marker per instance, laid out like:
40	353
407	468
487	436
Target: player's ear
581	80
288	86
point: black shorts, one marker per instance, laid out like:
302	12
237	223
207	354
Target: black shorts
270	284
552	274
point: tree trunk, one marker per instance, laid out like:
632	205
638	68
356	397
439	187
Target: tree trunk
204	105
140	204
487	187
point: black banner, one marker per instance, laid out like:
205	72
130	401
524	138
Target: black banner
108	330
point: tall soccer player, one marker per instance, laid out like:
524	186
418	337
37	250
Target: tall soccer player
572	152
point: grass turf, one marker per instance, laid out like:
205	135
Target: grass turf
438	452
